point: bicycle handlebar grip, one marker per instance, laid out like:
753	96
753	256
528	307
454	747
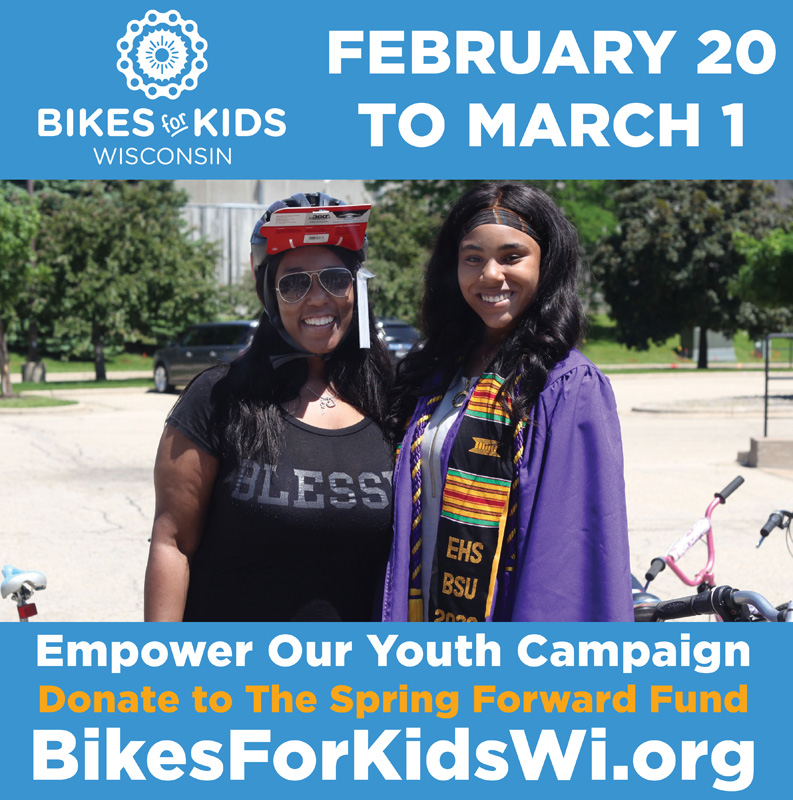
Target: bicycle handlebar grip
657	565
683	607
729	489
774	521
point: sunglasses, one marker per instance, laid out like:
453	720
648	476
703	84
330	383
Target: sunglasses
294	286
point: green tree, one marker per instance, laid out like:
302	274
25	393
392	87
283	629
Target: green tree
239	300
766	278
35	300
18	223
400	233
672	260
124	268
173	273
765	282
589	205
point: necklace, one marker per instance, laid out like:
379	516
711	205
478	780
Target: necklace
325	401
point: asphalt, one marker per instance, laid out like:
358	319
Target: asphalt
77	496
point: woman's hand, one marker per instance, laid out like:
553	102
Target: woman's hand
183	479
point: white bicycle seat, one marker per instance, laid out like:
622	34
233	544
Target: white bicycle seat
15	579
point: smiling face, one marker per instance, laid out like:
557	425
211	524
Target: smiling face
498	269
319	320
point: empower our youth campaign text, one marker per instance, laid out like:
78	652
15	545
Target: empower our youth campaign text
385	704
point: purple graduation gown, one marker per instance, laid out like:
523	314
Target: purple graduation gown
572	550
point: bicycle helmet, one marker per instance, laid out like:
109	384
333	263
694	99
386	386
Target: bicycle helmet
270	239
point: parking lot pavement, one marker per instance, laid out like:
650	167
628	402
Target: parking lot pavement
77	497
78	500
682	434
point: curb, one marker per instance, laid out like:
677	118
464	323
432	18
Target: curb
74	405
53	378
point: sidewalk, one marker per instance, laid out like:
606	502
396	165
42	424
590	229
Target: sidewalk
61	377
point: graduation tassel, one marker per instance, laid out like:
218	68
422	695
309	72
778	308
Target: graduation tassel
415	606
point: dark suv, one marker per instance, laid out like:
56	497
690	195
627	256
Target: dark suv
397	336
199	347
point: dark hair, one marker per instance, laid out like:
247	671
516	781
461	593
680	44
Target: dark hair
543	335
250	396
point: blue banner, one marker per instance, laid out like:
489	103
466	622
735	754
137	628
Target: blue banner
611	709
239	90
422	90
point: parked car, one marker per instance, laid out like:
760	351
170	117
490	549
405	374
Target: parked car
199	347
398	336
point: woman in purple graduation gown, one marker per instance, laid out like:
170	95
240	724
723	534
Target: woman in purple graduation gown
508	490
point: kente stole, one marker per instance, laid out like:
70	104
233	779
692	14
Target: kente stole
475	545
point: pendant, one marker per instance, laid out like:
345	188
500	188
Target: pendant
459	398
326	402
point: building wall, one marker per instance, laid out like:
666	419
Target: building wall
784	191
264	192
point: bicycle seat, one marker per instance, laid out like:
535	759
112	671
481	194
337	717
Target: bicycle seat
15	579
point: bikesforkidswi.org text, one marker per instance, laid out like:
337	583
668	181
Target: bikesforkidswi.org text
392	755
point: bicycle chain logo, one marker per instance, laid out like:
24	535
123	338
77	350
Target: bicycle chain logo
162	54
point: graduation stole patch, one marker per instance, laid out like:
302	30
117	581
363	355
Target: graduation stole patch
476	545
474	510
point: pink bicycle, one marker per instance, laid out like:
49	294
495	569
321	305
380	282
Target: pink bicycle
726	603
701	529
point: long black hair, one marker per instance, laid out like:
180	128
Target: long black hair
544	333
251	396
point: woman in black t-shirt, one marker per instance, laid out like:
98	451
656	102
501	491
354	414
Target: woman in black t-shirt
273	475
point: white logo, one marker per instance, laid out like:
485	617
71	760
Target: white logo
162	54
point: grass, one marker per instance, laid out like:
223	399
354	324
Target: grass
123	383
124	362
602	347
22	398
34	401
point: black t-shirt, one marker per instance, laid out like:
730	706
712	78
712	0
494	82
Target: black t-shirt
305	540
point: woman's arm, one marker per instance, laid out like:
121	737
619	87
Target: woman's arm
183	479
573	556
